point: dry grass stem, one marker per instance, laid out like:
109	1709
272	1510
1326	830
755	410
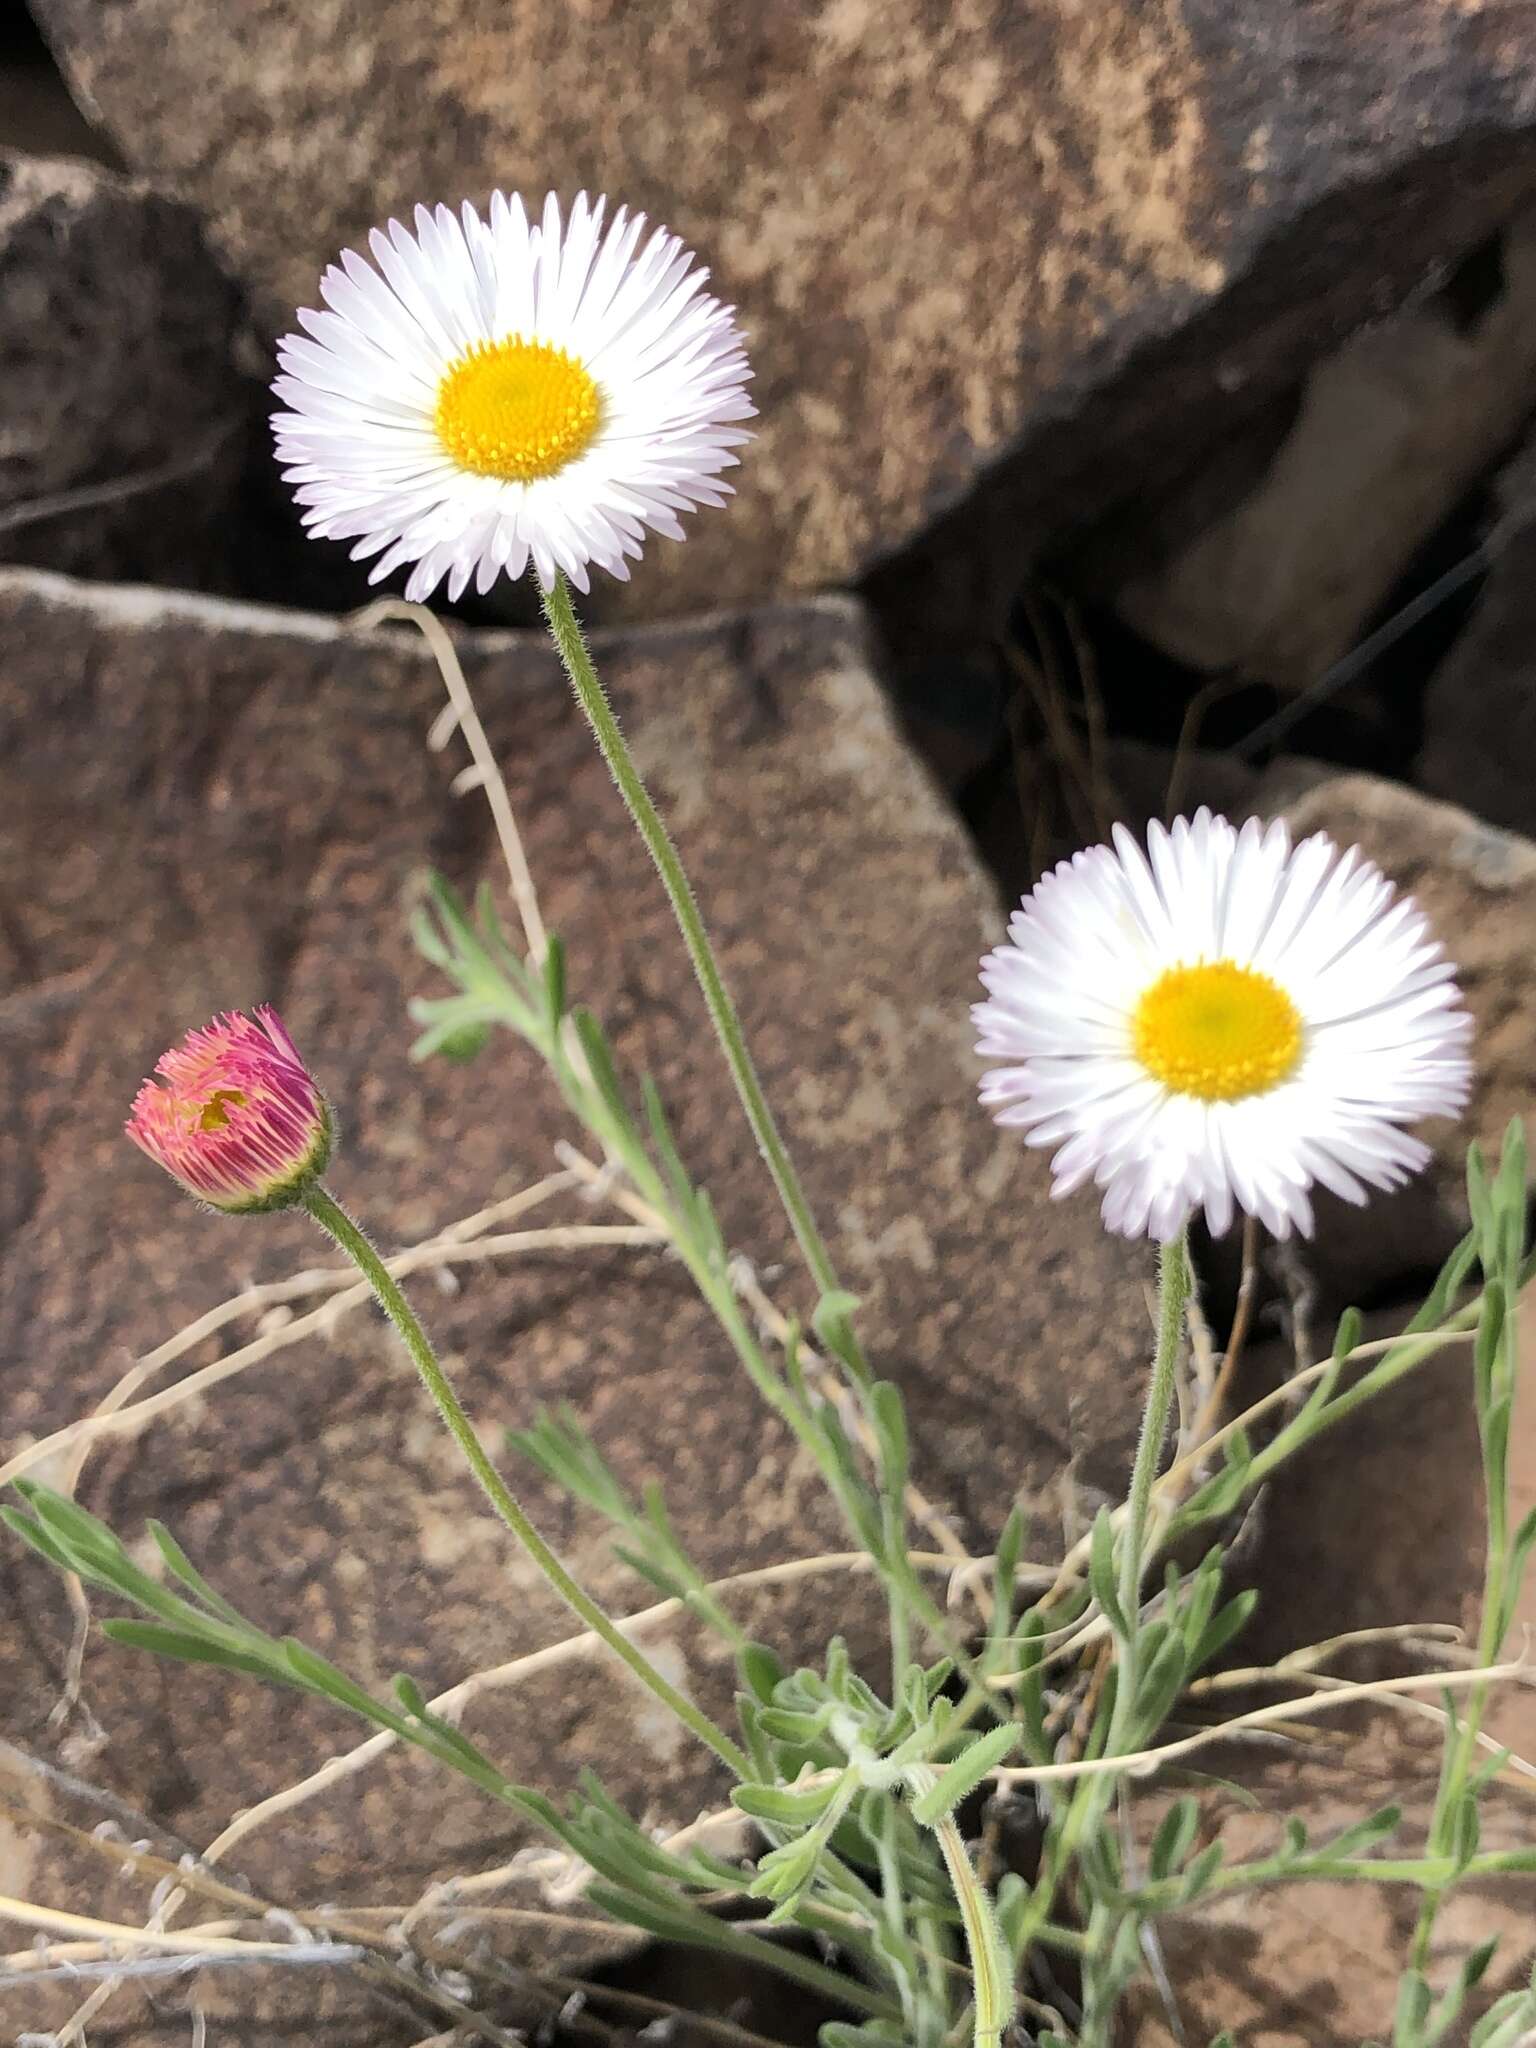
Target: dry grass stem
1143	1763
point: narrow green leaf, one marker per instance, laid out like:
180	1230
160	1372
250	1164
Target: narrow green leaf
961	1778
1228	1622
1477	1185
788	1724
181	1567
1101	1572
1166	1676
554	980
1465	1832
1348	1334
761	1671
1365	1834
187	1648
1449	1283
1174	1839
890	1421
783	1805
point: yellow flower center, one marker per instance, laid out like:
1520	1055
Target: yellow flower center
1217	1031
516	409
215	1111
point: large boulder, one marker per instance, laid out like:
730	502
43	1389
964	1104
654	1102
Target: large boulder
203	805
125	414
951	230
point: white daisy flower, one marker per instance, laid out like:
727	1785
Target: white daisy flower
497	393
1221	1025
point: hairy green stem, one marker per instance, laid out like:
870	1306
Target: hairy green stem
1432	1873
1172	1298
991	1962
578	665
565	631
338	1225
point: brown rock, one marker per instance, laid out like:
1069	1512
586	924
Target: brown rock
1480	708
124	413
948	228
202	805
1478	888
1318	1965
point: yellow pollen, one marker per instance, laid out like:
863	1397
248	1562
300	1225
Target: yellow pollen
215	1112
1217	1031
516	409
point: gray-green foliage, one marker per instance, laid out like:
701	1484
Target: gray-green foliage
862	1785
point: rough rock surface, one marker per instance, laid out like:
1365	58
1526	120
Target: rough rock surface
947	227
1320	1964
1479	746
1478	887
117	337
202	805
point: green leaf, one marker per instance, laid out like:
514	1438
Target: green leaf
1102	1580
760	1670
1228	1622
181	1567
684	1193
1348	1334
1466	1831
554	980
605	1075
1449	1282
1166	1676
961	1778
460	1043
935	1678
790	1724
187	1648
1365	1834
410	1696
36	1537
783	1805
317	1674
783	1874
1199	1873
890	1423
833	1323
1477	1185
667	1920
1509	1187
1485	1347
1414	2003
1174	1839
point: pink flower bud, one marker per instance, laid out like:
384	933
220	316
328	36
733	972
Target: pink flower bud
234	1114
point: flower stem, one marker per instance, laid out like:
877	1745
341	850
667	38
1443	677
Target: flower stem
578	665
1172	1299
338	1225
991	1963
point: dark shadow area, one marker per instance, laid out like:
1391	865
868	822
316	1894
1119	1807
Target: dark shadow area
36	110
